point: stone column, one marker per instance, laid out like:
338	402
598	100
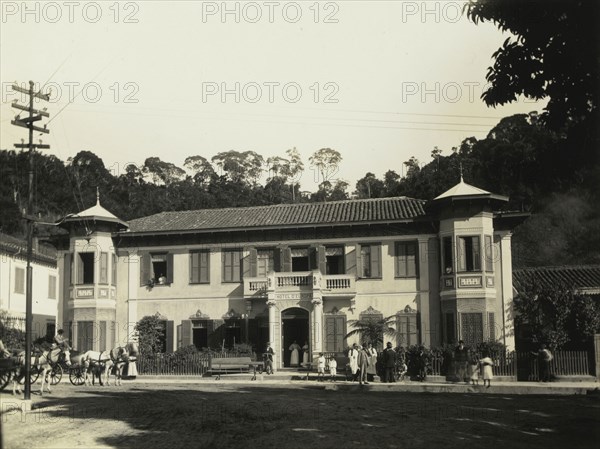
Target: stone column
317	324
275	343
508	325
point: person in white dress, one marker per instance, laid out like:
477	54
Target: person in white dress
353	361
295	357
486	364
305	354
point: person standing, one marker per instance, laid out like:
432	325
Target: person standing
544	357
372	370
295	356
305	354
364	360
333	368
353	361
461	361
486	366
268	359
389	363
321	367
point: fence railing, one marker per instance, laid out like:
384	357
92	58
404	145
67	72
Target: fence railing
524	365
173	364
564	363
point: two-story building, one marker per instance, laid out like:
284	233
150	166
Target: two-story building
293	272
13	285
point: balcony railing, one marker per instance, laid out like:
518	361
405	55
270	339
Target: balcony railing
330	285
287	280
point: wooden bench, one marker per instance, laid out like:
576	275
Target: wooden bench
234	364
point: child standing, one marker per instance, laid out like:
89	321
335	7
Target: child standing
474	369
321	367
486	368
332	368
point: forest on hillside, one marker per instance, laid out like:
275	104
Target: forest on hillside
520	158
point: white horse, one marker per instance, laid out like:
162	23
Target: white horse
42	364
115	359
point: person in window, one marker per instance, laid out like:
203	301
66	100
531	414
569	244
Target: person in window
162	279
61	341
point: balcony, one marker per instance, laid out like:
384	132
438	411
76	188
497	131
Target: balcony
339	285
332	285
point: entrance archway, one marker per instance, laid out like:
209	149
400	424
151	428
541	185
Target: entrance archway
294	328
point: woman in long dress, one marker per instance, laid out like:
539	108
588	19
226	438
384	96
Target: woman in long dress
305	349
295	357
486	366
353	361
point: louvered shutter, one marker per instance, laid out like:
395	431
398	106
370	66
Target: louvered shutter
145	269
186	333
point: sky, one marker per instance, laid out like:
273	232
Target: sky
378	81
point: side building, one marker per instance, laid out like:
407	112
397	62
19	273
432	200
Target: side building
294	272
13	282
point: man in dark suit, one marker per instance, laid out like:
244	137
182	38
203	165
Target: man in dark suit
389	363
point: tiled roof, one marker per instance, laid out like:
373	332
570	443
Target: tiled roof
584	278
283	215
14	245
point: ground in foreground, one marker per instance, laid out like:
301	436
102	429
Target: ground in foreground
231	416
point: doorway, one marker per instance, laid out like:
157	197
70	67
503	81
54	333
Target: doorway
295	329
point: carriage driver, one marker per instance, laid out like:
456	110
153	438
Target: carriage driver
61	341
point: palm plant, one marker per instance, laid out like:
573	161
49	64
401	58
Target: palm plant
373	329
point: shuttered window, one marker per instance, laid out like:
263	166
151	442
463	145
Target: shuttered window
19	280
199	267
370	261
406	259
265	262
103	268
231	265
489	254
492	326
469	254
335	330
51	287
408	332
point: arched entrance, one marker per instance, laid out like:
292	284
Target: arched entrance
294	328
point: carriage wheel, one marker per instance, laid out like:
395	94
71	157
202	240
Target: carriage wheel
33	376
54	376
77	376
4	379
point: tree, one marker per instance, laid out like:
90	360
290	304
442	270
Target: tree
370	187
327	162
200	169
553	55
162	172
245	167
373	330
555	314
150	332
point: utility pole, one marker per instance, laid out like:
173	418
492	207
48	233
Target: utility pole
34	116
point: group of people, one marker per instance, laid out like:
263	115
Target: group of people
469	368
